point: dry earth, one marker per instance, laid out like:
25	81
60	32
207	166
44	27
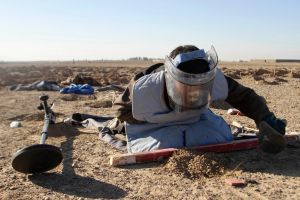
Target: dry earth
85	172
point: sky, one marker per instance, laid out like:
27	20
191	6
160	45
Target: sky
120	29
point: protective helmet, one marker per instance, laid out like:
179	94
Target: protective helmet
190	90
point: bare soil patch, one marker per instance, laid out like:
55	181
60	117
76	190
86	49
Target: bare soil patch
85	172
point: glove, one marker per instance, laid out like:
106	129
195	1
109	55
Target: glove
271	134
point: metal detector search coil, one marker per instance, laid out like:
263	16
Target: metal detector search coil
40	157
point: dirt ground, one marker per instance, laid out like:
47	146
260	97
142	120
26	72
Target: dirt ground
85	172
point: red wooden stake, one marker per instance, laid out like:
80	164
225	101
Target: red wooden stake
153	156
235	182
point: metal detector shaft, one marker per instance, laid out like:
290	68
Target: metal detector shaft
45	130
48	118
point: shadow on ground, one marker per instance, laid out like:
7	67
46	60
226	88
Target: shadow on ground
284	163
68	182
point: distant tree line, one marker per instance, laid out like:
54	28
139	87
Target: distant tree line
139	58
144	58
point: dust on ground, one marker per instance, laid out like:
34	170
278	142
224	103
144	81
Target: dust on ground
85	172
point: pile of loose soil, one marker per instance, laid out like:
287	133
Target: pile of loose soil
197	165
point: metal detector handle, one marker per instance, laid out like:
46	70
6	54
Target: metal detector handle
47	118
44	99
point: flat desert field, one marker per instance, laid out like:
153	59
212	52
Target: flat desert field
85	172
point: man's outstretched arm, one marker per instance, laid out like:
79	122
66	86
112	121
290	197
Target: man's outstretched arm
247	101
271	129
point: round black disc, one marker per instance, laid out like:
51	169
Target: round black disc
37	158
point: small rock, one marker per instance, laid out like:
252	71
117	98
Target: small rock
67	120
15	124
13	188
74	164
233	111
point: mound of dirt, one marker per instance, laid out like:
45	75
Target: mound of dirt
99	104
295	74
261	73
75	97
81	78
197	165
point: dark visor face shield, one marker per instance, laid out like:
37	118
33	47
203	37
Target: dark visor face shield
188	91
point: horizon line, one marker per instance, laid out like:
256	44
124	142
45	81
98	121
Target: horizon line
133	59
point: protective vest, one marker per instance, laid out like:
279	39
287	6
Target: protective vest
165	128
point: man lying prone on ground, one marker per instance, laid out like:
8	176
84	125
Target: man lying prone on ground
167	105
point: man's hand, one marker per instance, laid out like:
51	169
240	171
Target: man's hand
271	134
